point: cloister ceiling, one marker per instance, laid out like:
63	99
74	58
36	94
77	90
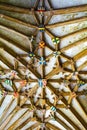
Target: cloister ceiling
43	65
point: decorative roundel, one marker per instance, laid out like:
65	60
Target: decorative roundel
55	40
13	73
42	44
53	109
42	61
31	54
42	83
41	28
3	94
73	94
41	9
32	38
81	83
15	94
23	82
8	82
56	53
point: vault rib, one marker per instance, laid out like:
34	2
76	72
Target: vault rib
17	21
80	119
78	20
71	108
76	57
33	126
78	32
55	12
39	12
25	122
12	53
10	66
12	114
7	120
17	45
13	31
82	66
74	44
5	111
64	116
68	35
18	120
49	33
53	72
2	98
14	9
36	4
55	117
52	126
50	4
69	10
62	123
80	55
13	42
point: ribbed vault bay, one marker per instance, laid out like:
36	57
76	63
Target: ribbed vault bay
43	65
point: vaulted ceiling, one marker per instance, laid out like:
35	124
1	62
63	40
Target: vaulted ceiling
43	65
